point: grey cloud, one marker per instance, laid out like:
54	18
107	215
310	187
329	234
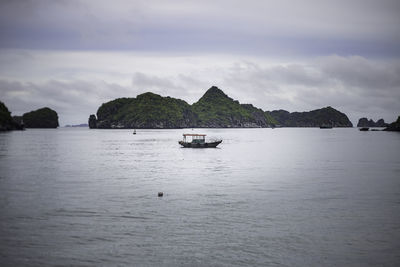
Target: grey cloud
180	86
251	27
342	82
360	72
355	85
73	101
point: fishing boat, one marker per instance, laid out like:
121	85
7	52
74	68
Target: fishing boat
364	129
197	141
326	126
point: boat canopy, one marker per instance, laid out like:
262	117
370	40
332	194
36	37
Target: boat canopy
196	138
197	141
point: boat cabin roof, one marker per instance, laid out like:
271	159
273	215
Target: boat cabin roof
194	135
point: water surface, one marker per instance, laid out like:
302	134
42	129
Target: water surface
272	197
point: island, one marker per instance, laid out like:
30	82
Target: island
214	109
217	110
327	116
41	118
7	122
364	122
394	126
81	125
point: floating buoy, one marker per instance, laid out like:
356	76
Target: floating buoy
160	194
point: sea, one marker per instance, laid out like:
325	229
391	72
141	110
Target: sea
263	197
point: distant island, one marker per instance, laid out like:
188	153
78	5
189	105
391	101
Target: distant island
7	123
41	118
364	122
77	125
394	126
320	117
213	110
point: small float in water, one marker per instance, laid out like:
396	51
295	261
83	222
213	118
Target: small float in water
198	141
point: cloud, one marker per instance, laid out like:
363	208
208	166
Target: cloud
355	85
76	84
73	101
253	27
297	55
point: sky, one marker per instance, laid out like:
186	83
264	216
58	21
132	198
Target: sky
72	56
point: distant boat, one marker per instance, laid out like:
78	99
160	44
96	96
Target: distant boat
134	131
326	126
364	129
198	141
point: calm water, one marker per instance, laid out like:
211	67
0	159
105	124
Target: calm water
284	197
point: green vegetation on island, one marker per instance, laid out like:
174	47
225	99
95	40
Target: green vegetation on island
213	110
320	117
7	123
147	110
41	118
216	109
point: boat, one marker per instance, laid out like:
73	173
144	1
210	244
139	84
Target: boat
198	141
364	129
134	131
326	126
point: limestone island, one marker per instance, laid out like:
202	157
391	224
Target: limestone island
394	126
41	118
364	122
213	110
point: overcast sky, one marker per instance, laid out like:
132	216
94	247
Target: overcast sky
73	56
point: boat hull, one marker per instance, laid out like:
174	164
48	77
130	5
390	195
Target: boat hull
198	145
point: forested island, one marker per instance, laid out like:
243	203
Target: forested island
213	110
320	117
41	118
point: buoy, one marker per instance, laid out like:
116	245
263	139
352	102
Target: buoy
160	194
